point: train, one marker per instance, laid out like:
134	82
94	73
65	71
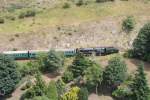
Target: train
32	54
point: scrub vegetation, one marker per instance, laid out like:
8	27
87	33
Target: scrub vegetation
52	76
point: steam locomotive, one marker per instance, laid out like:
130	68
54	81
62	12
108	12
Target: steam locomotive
32	54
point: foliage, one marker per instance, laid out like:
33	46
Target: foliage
39	89
93	75
9	75
40	98
129	54
140	86
115	73
79	2
66	5
72	94
60	85
67	76
29	69
54	61
142	43
98	1
2	20
128	24
52	91
27	13
27	85
79	64
83	94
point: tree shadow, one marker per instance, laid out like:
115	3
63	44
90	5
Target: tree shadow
136	62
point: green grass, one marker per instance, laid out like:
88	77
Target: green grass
59	16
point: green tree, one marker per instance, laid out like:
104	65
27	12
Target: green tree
83	94
52	91
93	75
140	86
54	61
115	73
142	43
79	64
9	75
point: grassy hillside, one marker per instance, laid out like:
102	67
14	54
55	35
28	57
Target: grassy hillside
53	25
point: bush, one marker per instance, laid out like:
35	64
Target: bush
60	85
41	98
128	24
2	20
52	91
67	77
72	94
9	75
28	13
79	3
39	89
29	69
141	44
115	73
83	94
27	85
66	5
98	1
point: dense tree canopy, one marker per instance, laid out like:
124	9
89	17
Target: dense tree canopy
79	64
115	73
142	43
54	61
9	76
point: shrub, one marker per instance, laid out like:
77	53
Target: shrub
2	20
9	75
66	5
67	77
79	2
28	69
128	24
52	91
83	94
27	85
141	44
115	73
98	1
41	98
54	61
72	94
60	85
28	13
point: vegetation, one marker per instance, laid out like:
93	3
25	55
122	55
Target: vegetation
28	13
52	91
60	85
128	24
93	75
53	62
115	73
83	94
67	76
142	43
72	94
2	20
79	64
9	75
140	86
